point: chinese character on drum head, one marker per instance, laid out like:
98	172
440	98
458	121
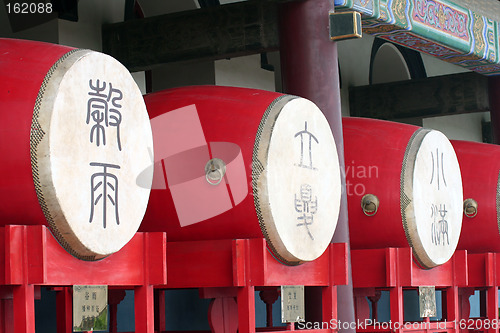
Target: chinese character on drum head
309	137
104	188
101	113
439	225
307	207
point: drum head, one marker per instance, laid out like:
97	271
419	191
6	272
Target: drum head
296	180
90	139
431	197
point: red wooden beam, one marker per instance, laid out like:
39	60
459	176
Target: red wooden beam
227	263
32	257
392	267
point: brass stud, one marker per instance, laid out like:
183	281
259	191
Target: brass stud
369	204
470	207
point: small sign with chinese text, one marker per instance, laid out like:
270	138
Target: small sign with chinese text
90	308
427	300
292	304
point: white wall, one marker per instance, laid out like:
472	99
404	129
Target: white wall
92	14
459	127
437	67
354	60
389	65
243	72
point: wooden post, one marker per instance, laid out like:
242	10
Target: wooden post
396	299
64	308
492	308
246	309
144	309
452	304
24	308
494	90
160	323
6	315
329	299
269	297
2	316
309	66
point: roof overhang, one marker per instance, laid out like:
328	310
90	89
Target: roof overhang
459	34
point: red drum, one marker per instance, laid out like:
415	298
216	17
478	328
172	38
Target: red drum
74	136
414	174
243	163
480	166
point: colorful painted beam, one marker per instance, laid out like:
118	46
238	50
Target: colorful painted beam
442	29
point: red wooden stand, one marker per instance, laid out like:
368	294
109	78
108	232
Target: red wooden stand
229	270
30	257
483	271
394	269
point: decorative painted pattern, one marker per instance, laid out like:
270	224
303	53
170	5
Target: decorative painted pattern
343	4
421	44
477	31
362	3
379	30
439	28
438	16
364	6
491	37
400	12
487	69
385	14
418	43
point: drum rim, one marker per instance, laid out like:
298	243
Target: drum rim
37	136
260	193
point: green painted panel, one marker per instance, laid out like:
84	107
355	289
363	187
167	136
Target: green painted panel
440	28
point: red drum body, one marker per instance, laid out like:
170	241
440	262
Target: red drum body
19	87
59	131
243	163
480	166
404	189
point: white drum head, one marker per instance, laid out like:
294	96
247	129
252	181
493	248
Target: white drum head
431	197
90	139
296	180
